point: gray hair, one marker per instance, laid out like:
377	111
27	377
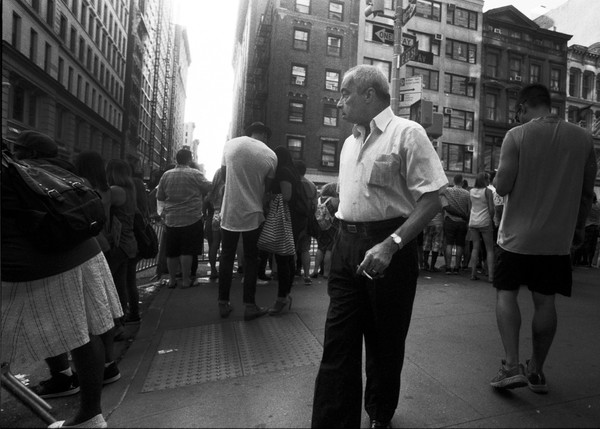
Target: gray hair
365	76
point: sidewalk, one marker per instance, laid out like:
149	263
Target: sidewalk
189	368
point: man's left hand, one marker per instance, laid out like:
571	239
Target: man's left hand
377	258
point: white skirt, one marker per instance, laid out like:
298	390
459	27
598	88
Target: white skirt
53	315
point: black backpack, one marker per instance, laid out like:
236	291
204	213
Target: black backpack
57	209
147	240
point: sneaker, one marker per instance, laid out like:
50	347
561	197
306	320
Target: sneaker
264	277
131	320
57	386
536	381
448	271
509	378
307	281
111	373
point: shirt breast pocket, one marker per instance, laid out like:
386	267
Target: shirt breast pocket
382	173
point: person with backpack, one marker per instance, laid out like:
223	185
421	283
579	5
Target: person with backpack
327	205
287	183
55	298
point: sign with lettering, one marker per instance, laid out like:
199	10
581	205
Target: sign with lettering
408	39
410	91
408	54
409	11
423	57
383	34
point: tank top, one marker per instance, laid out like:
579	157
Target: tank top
480	215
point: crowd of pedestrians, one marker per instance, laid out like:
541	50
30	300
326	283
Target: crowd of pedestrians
390	214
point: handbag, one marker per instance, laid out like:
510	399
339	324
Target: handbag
147	240
276	235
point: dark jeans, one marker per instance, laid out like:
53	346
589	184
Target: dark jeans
117	262
378	310
133	295
229	241
286	267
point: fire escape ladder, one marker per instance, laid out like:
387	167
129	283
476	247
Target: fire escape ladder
155	80
260	64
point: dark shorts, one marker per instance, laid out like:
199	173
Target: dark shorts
455	232
545	274
184	240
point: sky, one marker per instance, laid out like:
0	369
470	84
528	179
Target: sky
211	29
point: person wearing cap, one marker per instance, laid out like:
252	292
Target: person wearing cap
248	167
389	181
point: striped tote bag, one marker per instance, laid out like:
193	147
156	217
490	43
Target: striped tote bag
276	235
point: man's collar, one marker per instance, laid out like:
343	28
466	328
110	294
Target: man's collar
381	121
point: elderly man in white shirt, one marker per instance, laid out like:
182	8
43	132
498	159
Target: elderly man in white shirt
389	181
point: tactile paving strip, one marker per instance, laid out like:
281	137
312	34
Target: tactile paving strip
226	350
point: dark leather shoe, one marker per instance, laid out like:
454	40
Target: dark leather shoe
379	424
253	312
224	309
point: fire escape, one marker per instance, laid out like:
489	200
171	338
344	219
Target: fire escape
259	70
166	131
155	81
173	114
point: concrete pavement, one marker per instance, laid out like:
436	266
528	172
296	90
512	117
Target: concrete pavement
453	350
187	367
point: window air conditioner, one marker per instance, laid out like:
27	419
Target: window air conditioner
447	111
451	6
470	148
439	36
518	78
472	80
498	30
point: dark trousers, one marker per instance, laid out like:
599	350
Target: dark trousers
229	240
133	295
378	310
286	266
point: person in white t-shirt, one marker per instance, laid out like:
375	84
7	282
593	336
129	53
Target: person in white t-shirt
248	167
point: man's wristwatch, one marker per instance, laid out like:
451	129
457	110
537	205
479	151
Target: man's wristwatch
397	239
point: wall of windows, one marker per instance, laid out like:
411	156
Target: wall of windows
429	9
461	51
457	157
459	85
459	120
431	78
461	17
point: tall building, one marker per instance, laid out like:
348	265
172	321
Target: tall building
188	134
516	52
63	72
181	61
577	17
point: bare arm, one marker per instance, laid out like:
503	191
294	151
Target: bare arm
286	190
507	168
489	196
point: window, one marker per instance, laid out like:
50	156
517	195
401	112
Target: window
459	85
16	31
95	65
23	105
512	106
461	51
91	25
74	5
598	87
61	70
587	85
78	86
62	30
296	111
330	115
87	93
81	49
33	42
429	9
457	157
535	71
334	46
328	152
295	146
491	152
573	77
303	6
430	77
384	66
427	42
491	64
35	4
459	120
70	79
461	17
514	71
555	79
336	11
301	40
50	13
88	60
73	39
298	75
491	106
332	80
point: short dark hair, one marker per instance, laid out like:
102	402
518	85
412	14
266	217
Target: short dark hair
458	179
535	94
183	156
300	166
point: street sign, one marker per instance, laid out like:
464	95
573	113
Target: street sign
408	39
408	54
409	12
423	57
410	91
383	34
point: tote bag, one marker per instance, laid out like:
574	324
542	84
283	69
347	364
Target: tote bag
276	236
